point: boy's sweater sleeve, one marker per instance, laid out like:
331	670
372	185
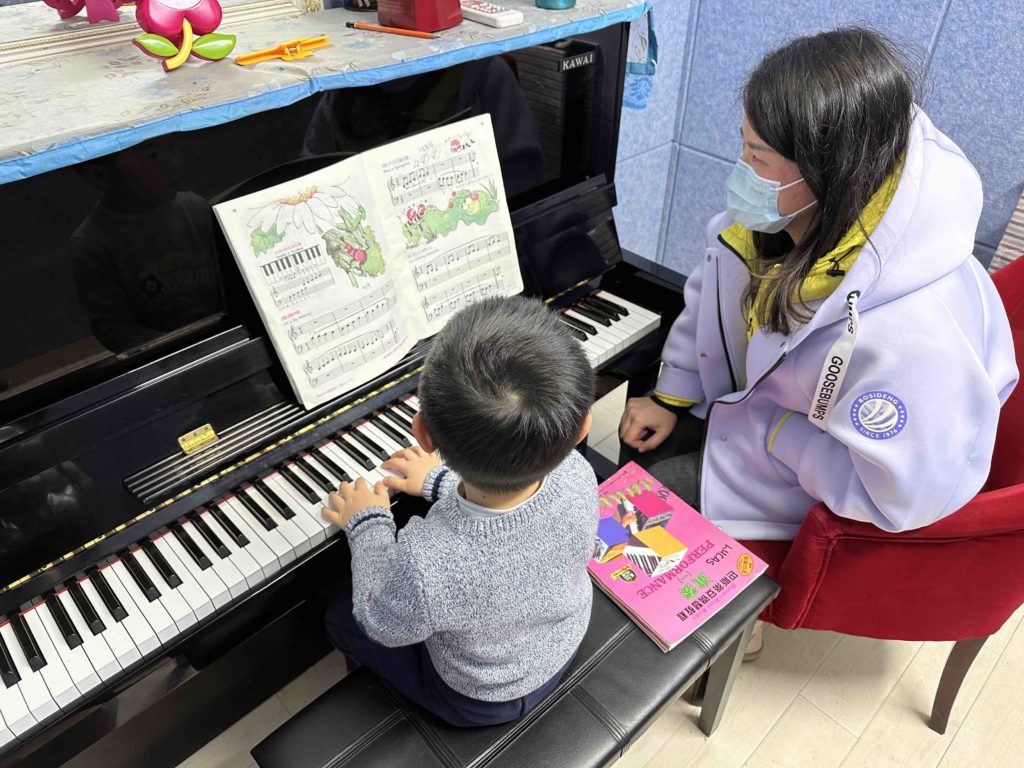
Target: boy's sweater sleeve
388	599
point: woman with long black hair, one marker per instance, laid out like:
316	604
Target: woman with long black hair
840	343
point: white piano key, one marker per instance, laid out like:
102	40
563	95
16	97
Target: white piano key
634	309
313	510
76	662
354	469
225	569
171	599
263	545
6	734
116	636
155	614
301	506
95	646
316	530
608	334
239	557
58	681
135	623
37	698
381	438
17	718
212	584
198	601
298	529
413	402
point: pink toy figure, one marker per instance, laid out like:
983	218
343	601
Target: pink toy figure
95	10
171	26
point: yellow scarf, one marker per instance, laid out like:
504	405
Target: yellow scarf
818	284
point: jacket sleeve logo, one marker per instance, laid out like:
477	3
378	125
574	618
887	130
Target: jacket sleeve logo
878	415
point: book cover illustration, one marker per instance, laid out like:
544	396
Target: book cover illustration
665	565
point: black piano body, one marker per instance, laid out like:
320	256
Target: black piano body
128	328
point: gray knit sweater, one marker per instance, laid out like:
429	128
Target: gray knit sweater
502	603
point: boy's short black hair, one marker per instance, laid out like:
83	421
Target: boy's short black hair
504	392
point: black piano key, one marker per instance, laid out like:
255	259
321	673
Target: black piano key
579	325
212	538
63	622
191	547
370	445
595	316
255	510
164	568
318	477
576	332
399	421
357	455
232	530
28	643
112	601
611	305
273	499
139	577
8	672
405	408
333	466
85	607
385	427
304	490
610	314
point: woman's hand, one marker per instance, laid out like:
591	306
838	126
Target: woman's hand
413	464
643	414
351	498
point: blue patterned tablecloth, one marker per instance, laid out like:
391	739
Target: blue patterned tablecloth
64	109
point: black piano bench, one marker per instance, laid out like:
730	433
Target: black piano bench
617	686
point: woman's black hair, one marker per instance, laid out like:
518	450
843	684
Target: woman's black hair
839	104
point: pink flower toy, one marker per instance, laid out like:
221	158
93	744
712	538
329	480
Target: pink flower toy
95	10
171	27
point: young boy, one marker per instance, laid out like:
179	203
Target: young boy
476	610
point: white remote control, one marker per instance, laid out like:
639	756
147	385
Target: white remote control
491	15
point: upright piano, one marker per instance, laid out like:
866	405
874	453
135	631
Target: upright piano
163	563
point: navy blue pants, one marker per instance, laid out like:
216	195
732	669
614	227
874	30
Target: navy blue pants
409	669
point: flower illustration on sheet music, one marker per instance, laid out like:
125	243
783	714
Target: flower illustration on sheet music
312	209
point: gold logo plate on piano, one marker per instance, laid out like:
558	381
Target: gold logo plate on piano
198	438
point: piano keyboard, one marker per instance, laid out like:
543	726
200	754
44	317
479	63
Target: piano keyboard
606	325
68	643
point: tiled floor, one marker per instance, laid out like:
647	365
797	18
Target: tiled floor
812	698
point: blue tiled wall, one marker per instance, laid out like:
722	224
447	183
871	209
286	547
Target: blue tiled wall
669	184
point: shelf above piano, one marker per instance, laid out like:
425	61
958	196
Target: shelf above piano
120	97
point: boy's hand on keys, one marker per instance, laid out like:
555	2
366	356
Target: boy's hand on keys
351	498
413	464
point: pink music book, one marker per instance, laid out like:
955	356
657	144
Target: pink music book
666	566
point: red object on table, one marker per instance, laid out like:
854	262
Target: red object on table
421	15
957	579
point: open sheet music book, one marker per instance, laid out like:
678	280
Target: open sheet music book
351	265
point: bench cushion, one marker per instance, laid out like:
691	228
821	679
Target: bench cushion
617	685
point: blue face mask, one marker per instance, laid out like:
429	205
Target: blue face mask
754	201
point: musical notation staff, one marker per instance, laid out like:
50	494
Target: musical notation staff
435	177
325	328
350	355
451	300
455	262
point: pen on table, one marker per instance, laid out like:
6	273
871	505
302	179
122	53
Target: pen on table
389	30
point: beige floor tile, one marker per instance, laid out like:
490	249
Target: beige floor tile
898	735
803	736
991	735
231	748
762	693
313	682
999	640
855	679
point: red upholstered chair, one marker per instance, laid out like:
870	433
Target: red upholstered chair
958	579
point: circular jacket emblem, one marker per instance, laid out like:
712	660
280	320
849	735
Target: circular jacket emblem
878	415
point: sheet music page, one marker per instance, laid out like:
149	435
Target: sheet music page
327	288
441	196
